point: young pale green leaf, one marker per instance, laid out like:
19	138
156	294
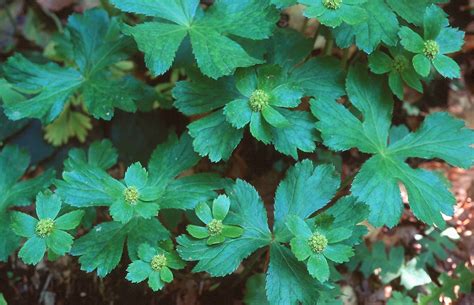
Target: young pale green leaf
381	27
296	194
216	53
246	211
380	175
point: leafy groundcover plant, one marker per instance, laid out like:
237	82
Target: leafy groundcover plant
119	188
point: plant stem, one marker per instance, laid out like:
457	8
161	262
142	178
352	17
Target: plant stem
345	58
329	45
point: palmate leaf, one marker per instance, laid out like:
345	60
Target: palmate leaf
216	53
262	98
376	184
287	280
14	162
93	42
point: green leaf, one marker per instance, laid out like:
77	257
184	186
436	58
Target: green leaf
246	211
447	67
301	134
380	175
171	158
51	85
214	137
23	224
399	298
85	185
320	77
138	271
318	267
9	241
2	300
255	290
338	253
288	48
295	194
381	26
197	232
288	281
100	154
203	94
440	136
435	245
410	10
422	65
47	205
69	220
203	212
220	207
33	250
186	192
216	53
59	242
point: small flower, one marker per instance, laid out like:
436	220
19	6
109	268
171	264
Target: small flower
48	232
258	100
315	247
399	69
333	12
136	198
431	49
438	39
154	264
215	230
